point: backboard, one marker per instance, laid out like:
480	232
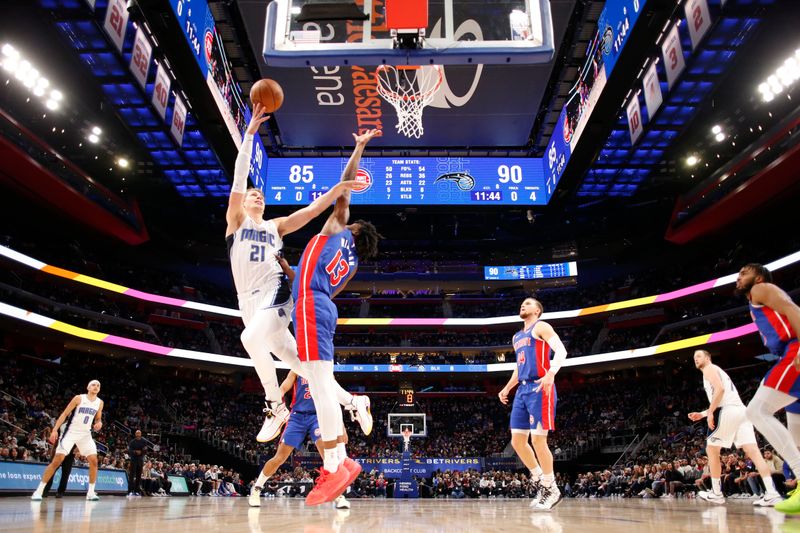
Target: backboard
414	421
459	32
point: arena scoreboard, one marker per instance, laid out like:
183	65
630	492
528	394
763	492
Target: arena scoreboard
522	272
411	181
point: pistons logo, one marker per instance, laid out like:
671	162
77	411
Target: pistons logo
317	433
364	180
521	358
208	41
531	419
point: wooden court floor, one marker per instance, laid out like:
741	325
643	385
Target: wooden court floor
202	515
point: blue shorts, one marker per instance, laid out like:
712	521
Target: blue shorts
530	409
315	324
298	426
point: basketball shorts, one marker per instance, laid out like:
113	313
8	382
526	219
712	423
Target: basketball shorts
83	441
793	408
314	327
300	425
265	301
732	428
783	376
533	411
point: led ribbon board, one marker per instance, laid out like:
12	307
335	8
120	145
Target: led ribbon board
75	331
614	306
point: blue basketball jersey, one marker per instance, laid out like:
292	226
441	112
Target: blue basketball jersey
774	328
533	355
301	397
327	263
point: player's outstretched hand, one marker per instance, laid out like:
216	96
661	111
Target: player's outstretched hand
694	416
259	117
545	382
503	395
364	138
97	426
53	437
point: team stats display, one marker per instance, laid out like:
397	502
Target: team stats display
411	181
552	270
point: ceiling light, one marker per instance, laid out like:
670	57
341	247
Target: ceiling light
716	129
122	162
10	51
51	104
42	82
56	95
692	160
38	91
96	130
720	137
93	138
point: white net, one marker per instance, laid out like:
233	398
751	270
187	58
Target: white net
409	89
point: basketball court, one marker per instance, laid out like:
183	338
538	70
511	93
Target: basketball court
478	108
118	514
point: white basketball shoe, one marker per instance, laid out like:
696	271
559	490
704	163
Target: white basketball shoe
277	415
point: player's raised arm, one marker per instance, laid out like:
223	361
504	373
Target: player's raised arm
303	216
341	211
235	214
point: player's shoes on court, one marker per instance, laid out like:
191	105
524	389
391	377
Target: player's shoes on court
341	502
360	412
550	497
276	418
353	469
329	486
537	492
768	500
791	505
92	497
36	497
254	500
711	496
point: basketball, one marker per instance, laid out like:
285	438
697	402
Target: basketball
267	93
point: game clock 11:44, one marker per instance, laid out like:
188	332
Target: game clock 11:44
411	181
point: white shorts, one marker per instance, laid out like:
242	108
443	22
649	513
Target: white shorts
83	441
265	301
732	428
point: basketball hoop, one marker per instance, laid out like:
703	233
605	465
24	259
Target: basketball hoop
409	88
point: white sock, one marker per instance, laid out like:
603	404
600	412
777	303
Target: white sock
715	486
341	451
40	489
536	473
342	396
769	484
548	479
91	488
331	460
261	481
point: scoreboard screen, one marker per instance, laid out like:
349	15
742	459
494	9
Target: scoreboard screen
411	181
552	270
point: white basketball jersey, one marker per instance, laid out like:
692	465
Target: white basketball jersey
252	250
82	418
731	396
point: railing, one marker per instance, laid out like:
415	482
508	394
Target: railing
19	429
625	451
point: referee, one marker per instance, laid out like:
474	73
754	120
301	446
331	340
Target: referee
136	449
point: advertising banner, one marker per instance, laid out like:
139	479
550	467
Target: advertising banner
24	477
